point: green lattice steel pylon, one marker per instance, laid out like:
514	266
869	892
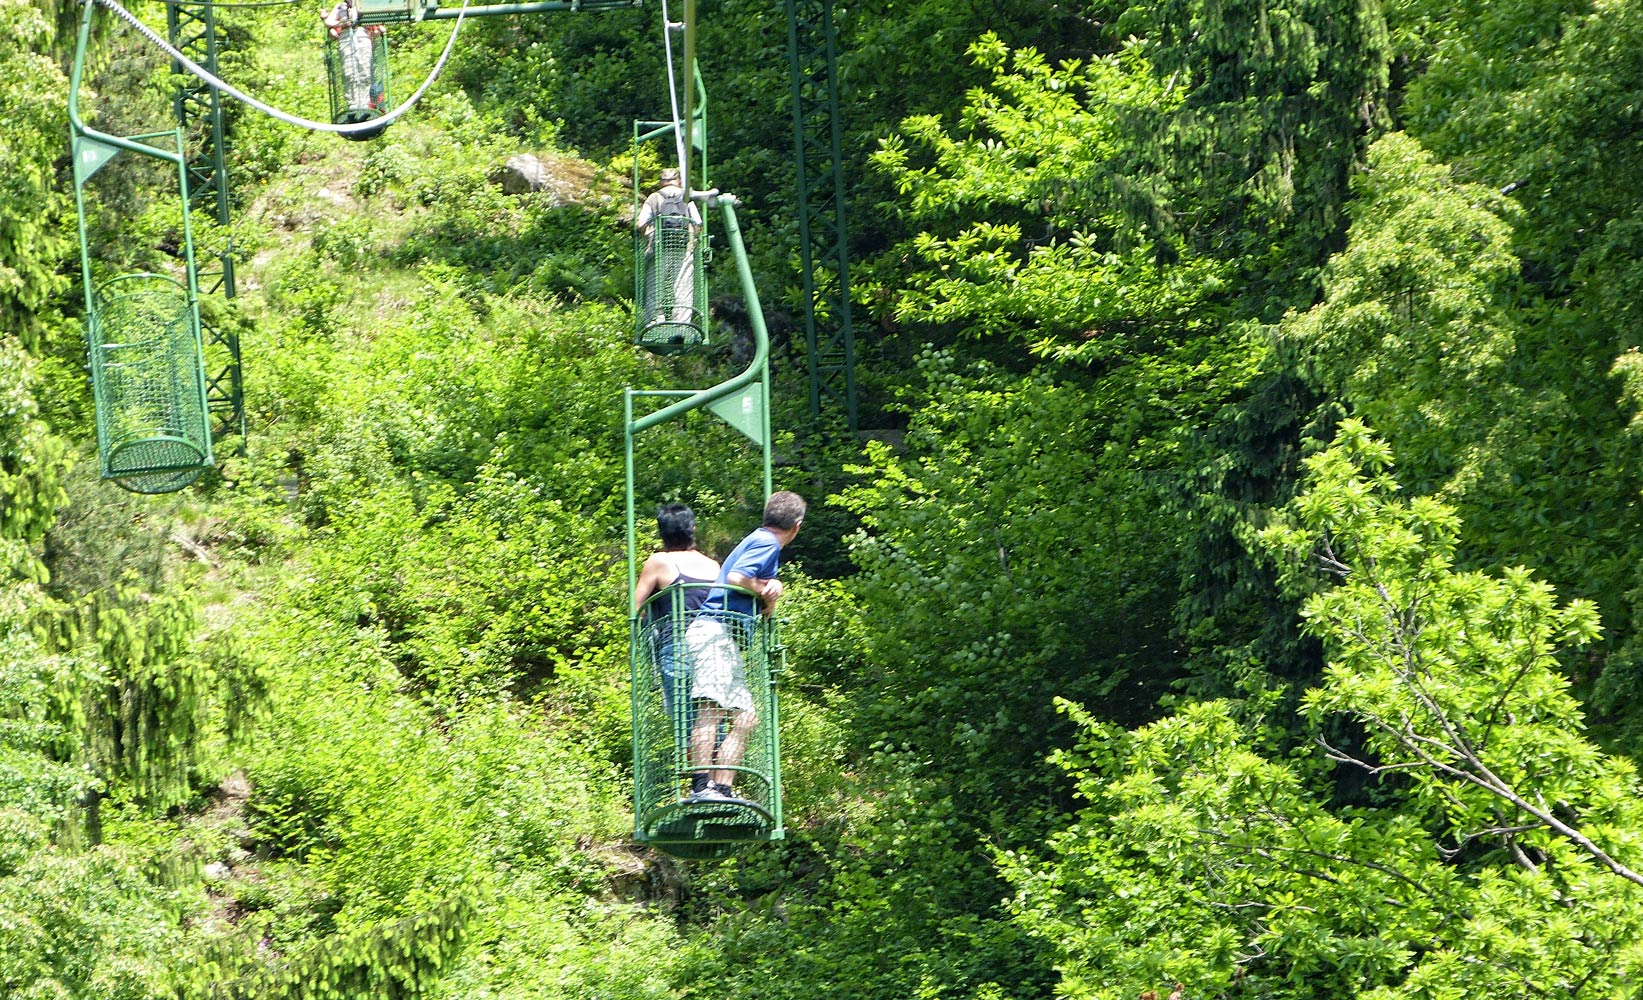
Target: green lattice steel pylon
669	727
192	30
829	339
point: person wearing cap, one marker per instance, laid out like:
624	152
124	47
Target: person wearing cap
669	208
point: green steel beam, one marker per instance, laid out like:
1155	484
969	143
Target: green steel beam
431	10
824	253
192	30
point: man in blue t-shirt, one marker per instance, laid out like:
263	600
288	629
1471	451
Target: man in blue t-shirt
719	684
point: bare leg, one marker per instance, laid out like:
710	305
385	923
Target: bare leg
734	745
704	735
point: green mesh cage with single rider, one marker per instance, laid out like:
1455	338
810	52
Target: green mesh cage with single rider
356	66
153	422
671	297
704	699
671	253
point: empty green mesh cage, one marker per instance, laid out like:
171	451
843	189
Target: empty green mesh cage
671	297
704	704
356	64
153	424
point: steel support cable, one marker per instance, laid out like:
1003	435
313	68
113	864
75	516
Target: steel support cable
673	98
271	111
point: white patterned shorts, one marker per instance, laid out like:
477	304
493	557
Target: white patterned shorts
717	671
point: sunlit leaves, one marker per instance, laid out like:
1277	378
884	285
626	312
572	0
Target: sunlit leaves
1495	858
1024	235
1203	861
33	236
32	465
1452	672
1410	332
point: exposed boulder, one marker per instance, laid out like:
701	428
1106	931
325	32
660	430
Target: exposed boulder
564	180
522	174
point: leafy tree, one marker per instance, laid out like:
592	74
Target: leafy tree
34	240
33	463
1021	235
1273	104
1016	545
1499	858
1453	673
1412	334
1420	334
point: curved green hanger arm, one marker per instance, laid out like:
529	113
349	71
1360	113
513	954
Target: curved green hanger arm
742	401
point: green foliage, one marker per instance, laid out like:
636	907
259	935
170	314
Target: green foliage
34	237
38	734
404	958
1420	333
1276	102
88	925
1200	860
482	592
145	712
1532	97
1412	333
1022	239
992	545
1453	673
389	838
1203	858
32	465
593	74
886	895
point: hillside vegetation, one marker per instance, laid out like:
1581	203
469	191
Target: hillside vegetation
1236	595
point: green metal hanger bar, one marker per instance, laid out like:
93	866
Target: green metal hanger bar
742	401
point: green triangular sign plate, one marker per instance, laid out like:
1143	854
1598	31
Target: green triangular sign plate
89	157
743	411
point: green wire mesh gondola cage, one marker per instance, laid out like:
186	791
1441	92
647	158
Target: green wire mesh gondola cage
356	65
672	294
670	283
153	421
142	329
671	254
678	656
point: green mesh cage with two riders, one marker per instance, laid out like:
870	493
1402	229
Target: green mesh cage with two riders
704	703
